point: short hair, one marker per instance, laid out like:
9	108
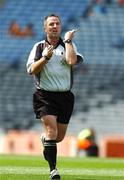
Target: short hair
51	15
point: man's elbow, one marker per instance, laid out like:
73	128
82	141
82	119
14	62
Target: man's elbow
30	70
33	71
72	62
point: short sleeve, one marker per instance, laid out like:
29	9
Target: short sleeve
80	57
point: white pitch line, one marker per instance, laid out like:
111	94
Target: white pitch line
81	171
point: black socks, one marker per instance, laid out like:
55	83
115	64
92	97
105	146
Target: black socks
50	153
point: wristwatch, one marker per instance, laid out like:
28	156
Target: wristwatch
68	41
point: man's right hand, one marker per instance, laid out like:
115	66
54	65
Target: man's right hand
48	51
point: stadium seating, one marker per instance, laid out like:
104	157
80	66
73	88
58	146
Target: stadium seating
22	13
14	52
100	92
98	84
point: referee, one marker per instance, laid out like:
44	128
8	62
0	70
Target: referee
51	61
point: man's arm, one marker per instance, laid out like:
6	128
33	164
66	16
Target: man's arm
70	52
36	61
37	66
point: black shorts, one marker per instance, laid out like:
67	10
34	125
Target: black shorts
59	104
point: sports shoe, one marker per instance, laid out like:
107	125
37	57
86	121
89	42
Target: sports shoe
54	174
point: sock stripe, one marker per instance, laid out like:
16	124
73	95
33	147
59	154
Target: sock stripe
50	143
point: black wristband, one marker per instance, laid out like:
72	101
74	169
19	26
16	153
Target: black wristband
46	58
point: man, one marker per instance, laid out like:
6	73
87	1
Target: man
86	141
51	61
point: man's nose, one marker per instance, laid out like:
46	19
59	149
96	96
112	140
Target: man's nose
55	25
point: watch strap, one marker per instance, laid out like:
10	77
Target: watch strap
68	41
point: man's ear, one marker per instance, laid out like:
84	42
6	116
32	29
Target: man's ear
44	28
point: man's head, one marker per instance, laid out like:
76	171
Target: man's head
52	26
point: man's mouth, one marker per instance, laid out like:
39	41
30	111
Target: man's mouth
54	31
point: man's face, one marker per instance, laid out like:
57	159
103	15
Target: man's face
52	27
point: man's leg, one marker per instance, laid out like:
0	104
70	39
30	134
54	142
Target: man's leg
49	142
62	128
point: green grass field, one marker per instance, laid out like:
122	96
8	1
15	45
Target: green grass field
13	167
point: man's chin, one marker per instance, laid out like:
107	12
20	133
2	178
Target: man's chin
54	36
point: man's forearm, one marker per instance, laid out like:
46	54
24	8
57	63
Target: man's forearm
71	56
37	66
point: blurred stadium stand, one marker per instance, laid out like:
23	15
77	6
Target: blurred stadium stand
98	84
